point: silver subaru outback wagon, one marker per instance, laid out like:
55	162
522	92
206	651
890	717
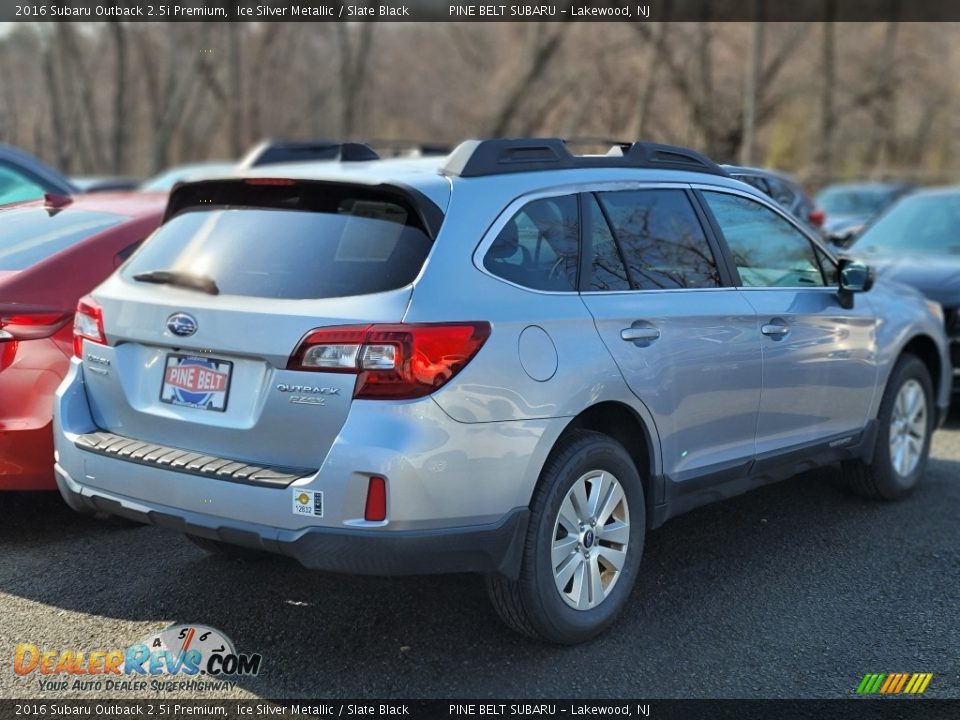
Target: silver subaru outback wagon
513	361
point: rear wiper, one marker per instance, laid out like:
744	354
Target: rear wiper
180	279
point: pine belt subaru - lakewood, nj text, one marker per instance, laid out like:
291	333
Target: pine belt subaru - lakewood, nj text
512	360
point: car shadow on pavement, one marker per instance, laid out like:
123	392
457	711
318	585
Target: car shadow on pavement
709	580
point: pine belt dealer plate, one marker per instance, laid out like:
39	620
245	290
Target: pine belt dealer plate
197	382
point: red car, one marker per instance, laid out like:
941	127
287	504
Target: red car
52	252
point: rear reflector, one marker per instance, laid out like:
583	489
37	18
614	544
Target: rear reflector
87	325
376	509
392	361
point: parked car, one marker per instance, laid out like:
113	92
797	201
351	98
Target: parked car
105	183
849	207
51	254
24	177
917	242
275	151
164	181
512	361
784	189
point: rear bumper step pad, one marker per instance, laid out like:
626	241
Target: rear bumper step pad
185	461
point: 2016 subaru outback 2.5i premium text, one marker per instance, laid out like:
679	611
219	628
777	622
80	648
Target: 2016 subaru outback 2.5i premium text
511	361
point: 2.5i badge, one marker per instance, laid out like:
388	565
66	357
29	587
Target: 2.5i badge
307	502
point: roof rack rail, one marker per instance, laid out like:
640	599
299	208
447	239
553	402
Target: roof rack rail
476	158
271	152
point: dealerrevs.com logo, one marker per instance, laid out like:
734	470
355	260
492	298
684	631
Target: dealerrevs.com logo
180	657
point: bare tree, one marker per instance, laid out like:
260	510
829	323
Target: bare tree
541	48
654	49
883	138
57	119
354	42
120	120
180	82
705	110
827	89
235	87
754	70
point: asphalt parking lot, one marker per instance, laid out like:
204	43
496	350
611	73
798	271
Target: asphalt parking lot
795	590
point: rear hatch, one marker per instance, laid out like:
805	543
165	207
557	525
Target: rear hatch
202	322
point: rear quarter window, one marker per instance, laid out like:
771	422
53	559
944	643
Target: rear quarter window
338	245
538	248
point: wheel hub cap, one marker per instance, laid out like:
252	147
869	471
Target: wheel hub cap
908	428
590	539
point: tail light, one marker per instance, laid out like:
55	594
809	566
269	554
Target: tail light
26	325
87	325
398	362
817	216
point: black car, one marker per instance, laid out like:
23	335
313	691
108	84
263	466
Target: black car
917	242
849	207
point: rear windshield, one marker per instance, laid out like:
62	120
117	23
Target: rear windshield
347	246
30	235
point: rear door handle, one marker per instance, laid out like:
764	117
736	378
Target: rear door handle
774	330
639	335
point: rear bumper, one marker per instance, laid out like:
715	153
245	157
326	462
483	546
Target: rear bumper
26	459
491	548
28	381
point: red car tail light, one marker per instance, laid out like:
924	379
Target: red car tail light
817	217
87	325
28	325
398	362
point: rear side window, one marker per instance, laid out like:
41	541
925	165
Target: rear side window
661	238
332	244
30	235
538	247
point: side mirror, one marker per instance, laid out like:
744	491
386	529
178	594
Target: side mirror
855	277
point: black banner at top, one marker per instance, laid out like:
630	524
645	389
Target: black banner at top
173	708
492	11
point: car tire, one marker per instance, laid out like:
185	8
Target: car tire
900	455
226	550
534	604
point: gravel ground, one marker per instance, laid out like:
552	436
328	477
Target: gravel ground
793	591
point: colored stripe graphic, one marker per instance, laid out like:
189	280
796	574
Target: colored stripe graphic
894	683
903	680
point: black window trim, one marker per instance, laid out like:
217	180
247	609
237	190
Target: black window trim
698	189
729	279
586	239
